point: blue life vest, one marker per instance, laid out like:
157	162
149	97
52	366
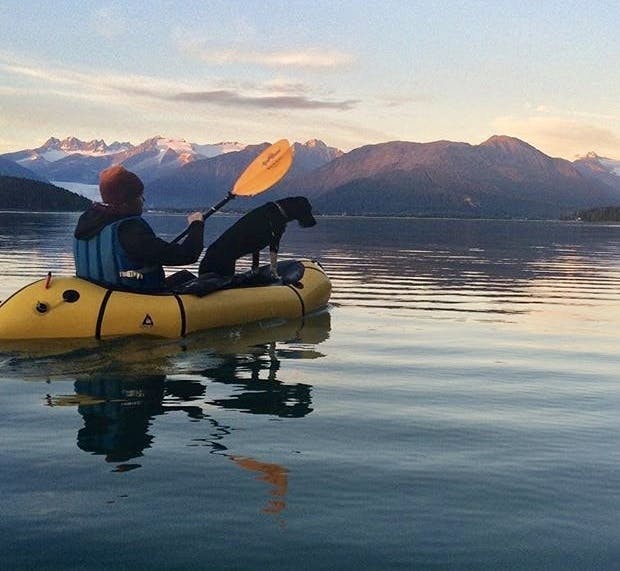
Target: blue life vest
103	259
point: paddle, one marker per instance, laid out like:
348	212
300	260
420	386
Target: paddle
260	175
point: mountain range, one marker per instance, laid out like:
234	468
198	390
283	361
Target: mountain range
72	160
501	177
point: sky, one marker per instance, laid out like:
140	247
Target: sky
348	72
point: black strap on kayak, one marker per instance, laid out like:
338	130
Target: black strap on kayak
182	314
104	303
301	299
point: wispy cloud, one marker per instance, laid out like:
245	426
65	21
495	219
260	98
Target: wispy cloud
557	112
223	97
309	58
117	88
280	85
46	73
561	136
312	58
399	100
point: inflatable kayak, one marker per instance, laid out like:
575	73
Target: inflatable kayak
70	307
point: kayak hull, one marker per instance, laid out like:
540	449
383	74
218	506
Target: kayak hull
70	307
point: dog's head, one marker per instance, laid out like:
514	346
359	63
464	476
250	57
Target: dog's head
298	208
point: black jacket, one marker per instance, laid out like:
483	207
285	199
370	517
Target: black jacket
140	242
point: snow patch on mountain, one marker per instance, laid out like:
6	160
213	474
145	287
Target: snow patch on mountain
190	151
213	150
179	146
612	164
51	156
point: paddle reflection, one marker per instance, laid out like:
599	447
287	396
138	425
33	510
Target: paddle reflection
275	475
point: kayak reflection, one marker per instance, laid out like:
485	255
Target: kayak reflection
118	408
143	356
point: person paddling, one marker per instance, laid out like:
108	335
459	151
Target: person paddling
115	246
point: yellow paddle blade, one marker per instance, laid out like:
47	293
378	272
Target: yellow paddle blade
265	170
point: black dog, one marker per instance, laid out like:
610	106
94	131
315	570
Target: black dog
258	229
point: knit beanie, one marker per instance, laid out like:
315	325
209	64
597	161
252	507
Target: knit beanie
117	185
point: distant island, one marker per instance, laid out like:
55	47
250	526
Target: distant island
33	195
604	214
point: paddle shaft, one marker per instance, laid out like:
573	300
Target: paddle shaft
206	214
219	205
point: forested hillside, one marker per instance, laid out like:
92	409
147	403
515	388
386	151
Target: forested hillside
27	194
605	214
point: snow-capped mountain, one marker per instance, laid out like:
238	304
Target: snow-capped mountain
160	156
203	180
602	168
55	149
610	165
313	154
71	160
96	147
75	164
501	177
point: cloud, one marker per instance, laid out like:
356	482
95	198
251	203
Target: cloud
224	97
115	88
561	136
309	58
400	100
559	112
283	86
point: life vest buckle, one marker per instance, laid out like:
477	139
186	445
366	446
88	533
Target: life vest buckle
132	274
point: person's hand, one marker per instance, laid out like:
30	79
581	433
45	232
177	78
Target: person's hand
195	217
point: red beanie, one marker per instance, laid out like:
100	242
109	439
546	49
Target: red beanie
117	185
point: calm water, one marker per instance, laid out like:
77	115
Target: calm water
457	407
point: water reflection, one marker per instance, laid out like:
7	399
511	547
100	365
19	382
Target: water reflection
117	411
263	393
479	267
119	408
